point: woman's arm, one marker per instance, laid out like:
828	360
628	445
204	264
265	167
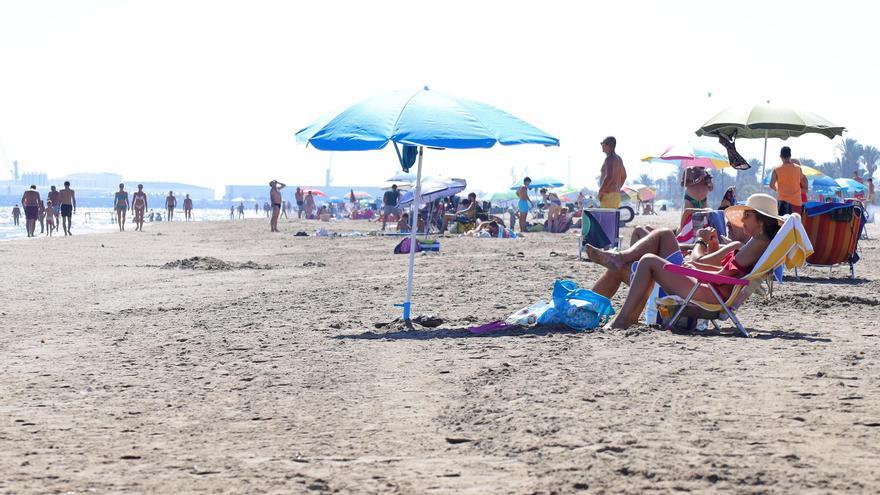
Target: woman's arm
715	258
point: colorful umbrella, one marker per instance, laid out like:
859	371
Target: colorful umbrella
359	195
315	192
688	156
503	196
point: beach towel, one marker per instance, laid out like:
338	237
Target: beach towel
402	247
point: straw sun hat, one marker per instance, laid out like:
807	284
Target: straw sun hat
762	203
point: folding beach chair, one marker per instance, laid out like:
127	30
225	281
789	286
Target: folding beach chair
790	247
834	229
695	216
599	227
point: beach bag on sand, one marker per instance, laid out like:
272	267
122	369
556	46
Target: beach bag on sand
529	315
572	306
402	247
577	308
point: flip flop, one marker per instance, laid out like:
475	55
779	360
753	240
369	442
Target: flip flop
493	326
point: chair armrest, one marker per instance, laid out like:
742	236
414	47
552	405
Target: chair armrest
712	278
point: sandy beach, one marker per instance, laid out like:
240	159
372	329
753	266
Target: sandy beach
267	374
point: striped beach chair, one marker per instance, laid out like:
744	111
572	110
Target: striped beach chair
834	229
791	247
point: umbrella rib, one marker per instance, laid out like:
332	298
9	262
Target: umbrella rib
396	121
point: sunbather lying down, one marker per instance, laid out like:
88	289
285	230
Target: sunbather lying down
642	264
492	229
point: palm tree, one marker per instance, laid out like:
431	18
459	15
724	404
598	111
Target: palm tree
646	180
850	154
870	158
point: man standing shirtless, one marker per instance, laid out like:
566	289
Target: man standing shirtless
170	204
275	197
187	208
613	175
67	200
30	200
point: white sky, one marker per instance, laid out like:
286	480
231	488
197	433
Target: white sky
210	92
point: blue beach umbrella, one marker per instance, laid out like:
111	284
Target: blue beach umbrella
416	120
539	182
852	186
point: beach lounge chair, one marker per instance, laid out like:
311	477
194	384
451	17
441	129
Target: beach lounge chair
791	247
599	227
834	229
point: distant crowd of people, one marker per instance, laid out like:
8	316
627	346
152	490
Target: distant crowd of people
60	205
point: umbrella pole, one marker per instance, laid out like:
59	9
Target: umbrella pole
417	197
764	164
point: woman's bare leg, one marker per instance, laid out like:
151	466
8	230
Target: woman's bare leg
639	233
651	270
661	242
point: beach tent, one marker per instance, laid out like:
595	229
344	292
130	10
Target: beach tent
417	120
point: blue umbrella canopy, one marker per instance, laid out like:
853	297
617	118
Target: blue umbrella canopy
421	118
537	183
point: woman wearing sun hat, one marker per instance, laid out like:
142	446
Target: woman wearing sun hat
758	217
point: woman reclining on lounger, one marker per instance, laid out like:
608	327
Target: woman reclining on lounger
643	264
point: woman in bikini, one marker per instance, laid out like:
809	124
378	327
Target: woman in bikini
645	260
139	204
120	204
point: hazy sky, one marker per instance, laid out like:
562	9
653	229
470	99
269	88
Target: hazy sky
211	92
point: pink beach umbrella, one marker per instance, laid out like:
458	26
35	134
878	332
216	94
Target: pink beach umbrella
687	156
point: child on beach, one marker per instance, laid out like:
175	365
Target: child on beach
50	218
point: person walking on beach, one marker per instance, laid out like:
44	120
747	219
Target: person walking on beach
50	218
170	204
285	205
310	205
241	210
298	196
55	209
139	205
256	207
42	216
275	188
30	200
870	198
789	182
187	208
613	175
232	212
389	201
857	176
16	214
67	206
121	204
524	203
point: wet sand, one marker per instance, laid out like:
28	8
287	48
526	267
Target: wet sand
263	372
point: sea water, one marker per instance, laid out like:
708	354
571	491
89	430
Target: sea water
99	220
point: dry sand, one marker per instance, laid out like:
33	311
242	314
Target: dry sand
121	376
